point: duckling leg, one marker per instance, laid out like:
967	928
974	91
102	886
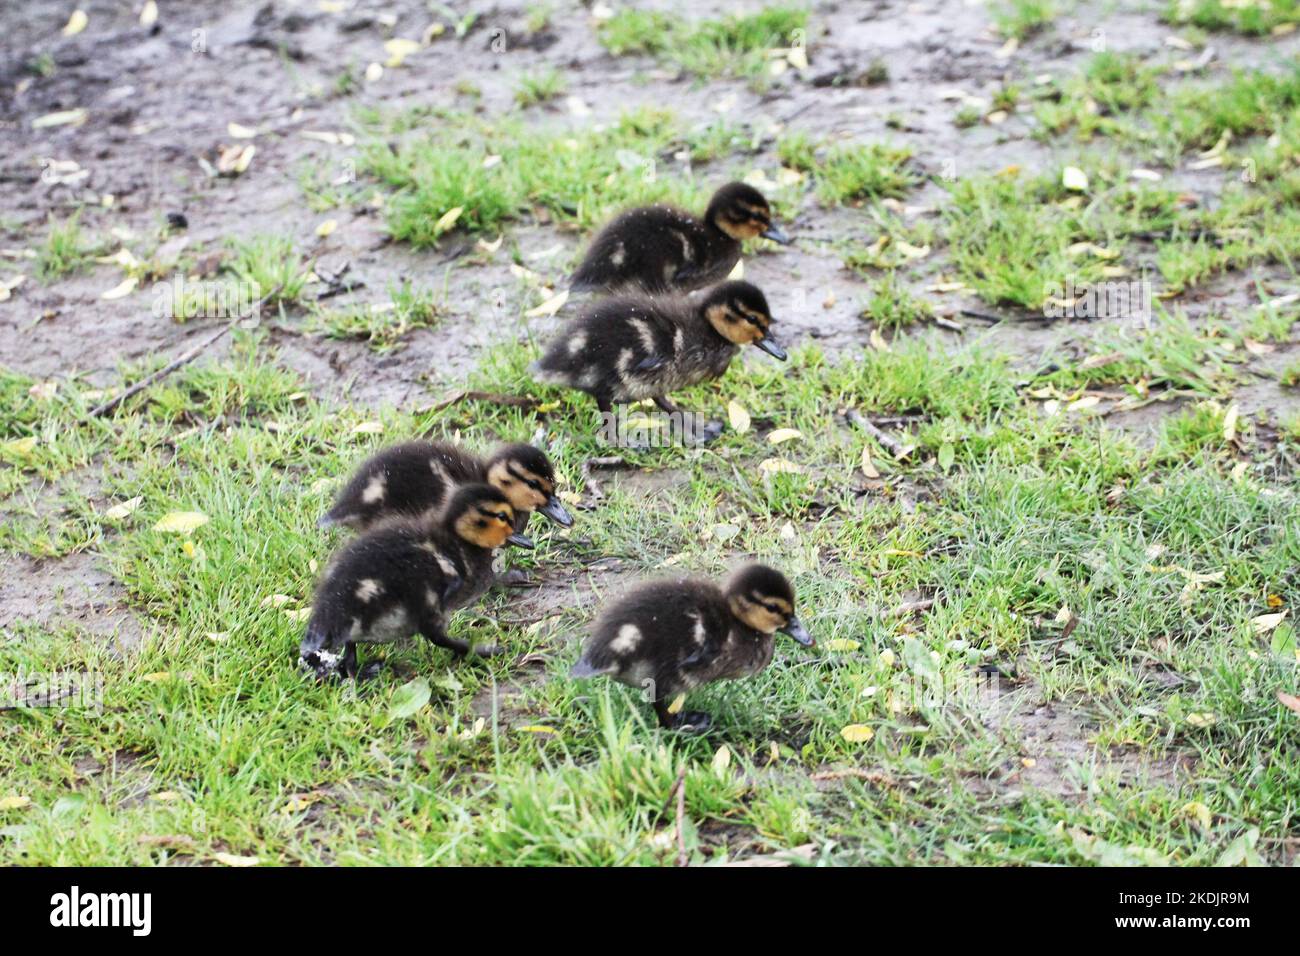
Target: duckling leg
667	404
434	632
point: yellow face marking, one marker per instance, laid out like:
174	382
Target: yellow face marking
754	615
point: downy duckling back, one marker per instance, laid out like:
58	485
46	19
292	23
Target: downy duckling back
633	347
654	249
415	477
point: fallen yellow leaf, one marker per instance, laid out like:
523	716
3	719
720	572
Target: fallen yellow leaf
74	117
780	466
229	859
181	521
398	49
722	759
447	219
14	803
1266	622
550	306
857	733
120	511
783	435
868	466
76	23
1200	813
738	417
123	288
1074	179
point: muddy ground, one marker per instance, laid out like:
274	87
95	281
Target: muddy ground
159	99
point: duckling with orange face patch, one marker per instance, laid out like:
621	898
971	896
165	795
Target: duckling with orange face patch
670	636
413	477
633	347
404	576
660	248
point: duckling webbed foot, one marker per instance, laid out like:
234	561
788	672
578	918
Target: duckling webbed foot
688	722
706	432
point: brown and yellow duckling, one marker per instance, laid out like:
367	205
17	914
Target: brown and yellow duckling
670	636
659	248
632	347
417	476
404	576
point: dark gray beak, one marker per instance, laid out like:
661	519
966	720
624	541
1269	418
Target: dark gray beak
776	234
520	541
796	630
555	511
772	349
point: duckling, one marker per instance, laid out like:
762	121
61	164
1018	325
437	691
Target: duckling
658	248
405	575
631	347
415	477
671	636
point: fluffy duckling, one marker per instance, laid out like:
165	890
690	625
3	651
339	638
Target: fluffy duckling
631	347
658	248
670	636
404	576
415	477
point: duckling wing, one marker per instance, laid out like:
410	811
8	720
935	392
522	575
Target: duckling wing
643	248
405	479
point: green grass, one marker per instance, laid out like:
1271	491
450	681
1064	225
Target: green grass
1115	477
539	87
65	250
848	173
269	263
736	45
1022	19
1252	19
382	326
211	739
577	178
893	306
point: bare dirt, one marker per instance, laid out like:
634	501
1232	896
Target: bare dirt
159	99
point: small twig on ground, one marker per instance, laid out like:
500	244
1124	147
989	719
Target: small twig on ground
888	442
982	316
334	284
949	324
871	776
517	401
184	359
910	607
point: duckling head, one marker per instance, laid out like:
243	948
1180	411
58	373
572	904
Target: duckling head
763	600
742	212
483	516
525	476
738	312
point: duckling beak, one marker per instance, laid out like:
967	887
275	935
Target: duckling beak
772	349
520	541
555	511
776	234
796	630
